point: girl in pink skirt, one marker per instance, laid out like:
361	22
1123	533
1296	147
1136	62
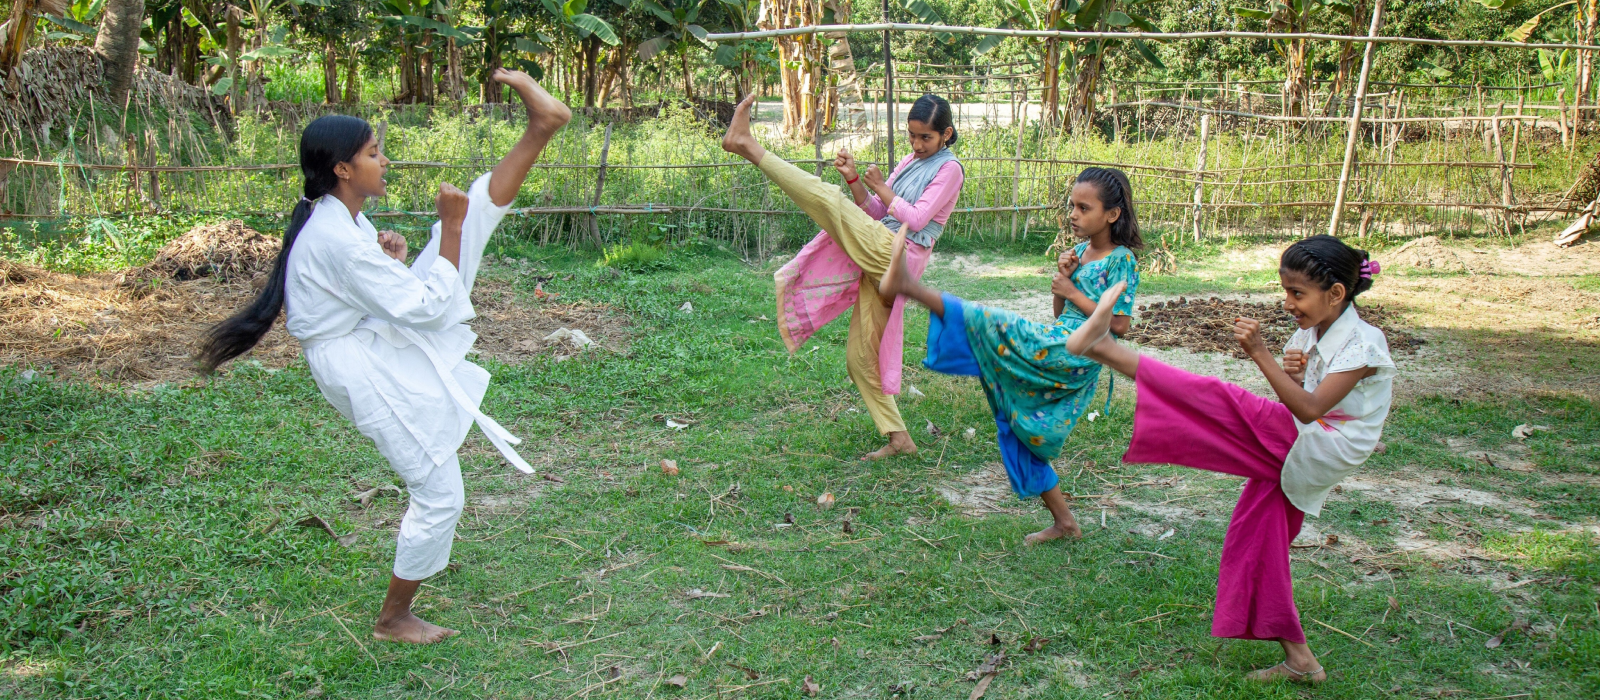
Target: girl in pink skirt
1334	387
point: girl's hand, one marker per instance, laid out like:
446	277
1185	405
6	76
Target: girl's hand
1068	263
845	163
1062	286
452	204
394	244
1294	364
1248	332
873	178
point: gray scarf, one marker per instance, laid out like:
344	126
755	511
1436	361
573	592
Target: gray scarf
909	182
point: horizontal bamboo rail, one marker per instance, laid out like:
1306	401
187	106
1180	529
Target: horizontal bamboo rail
1320	120
1153	36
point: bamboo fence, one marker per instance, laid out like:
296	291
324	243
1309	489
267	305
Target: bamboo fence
1207	158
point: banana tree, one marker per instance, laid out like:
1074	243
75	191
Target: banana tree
591	31
740	57
682	18
1585	16
1294	17
1087	57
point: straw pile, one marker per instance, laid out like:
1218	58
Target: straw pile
1206	325
227	250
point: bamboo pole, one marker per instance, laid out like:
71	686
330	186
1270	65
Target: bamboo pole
1200	174
1561	117
888	84
599	185
1151	36
1016	173
1354	134
1505	173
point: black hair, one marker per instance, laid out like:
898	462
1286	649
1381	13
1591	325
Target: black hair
934	111
1116	193
1327	260
326	142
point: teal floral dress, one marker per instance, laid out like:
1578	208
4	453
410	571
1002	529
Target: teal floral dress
1037	389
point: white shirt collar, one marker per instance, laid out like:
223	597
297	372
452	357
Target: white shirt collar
1338	332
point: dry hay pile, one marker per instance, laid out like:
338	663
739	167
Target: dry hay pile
1206	325
52	82
1427	253
141	324
227	250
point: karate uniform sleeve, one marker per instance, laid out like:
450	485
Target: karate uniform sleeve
427	300
936	198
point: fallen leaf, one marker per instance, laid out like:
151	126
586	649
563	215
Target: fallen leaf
1493	643
982	686
669	467
316	521
687	308
928	638
716	543
1394	604
1381	521
1380	448
616	672
675	425
848	528
1523	431
696	594
1035	644
915	393
825	501
788	518
552	477
678	681
835	642
933	429
994	639
788	489
1333	540
810	687
1170	532
749	673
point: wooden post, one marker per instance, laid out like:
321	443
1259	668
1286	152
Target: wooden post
1505	173
1355	121
816	136
888	86
1561	117
600	184
1016	173
1200	173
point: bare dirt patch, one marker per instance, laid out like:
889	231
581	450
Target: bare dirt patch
1206	325
143	325
981	491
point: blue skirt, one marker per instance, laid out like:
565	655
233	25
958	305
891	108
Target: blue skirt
950	352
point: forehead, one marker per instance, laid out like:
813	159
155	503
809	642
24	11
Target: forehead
1085	193
1294	278
919	127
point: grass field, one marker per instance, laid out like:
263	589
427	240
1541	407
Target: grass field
150	549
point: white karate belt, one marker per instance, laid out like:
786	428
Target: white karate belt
502	438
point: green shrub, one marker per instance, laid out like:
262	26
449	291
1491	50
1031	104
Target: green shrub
634	257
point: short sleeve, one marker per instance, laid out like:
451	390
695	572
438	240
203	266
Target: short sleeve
1122	267
1361	352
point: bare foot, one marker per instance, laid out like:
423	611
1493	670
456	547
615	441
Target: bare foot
1099	323
545	113
1054	532
899	444
893	282
739	141
411	629
1283	671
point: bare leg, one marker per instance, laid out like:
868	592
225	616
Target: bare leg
1093	339
397	624
897	281
739	141
1299	665
1065	525
546	116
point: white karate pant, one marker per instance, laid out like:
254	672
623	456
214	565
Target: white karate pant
429	526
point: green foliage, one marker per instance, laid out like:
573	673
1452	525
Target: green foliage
637	256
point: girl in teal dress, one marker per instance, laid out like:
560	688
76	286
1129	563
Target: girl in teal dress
1037	389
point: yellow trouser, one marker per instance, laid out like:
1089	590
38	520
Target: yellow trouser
869	243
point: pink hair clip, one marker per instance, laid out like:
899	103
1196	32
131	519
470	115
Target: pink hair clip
1369	268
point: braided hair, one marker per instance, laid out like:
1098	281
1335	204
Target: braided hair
326	142
1116	193
1327	261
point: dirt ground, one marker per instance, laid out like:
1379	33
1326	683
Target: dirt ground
141	326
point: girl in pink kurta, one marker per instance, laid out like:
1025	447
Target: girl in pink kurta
825	278
1334	390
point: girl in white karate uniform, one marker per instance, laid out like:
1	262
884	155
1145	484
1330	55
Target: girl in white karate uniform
387	344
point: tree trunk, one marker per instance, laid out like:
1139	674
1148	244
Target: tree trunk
1051	99
455	80
591	72
424	81
1585	64
330	72
609	78
688	83
489	91
234	16
117	45
352	77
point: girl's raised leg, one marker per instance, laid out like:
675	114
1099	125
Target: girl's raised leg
546	116
1093	339
739	141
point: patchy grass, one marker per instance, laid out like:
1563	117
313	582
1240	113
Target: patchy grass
149	548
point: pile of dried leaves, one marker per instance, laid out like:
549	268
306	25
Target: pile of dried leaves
227	250
1206	325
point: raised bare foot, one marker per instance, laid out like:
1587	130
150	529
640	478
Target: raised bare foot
1098	324
899	444
739	141
893	282
545	113
411	629
1284	672
1054	532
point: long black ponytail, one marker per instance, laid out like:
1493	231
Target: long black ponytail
326	142
1116	193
